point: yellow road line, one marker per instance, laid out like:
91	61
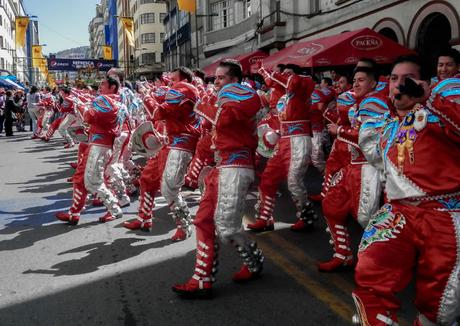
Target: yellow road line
345	311
299	256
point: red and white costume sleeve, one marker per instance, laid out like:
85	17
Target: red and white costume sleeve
204	155
418	229
277	83
340	155
320	99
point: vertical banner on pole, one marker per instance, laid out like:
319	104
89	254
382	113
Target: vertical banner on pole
128	26
187	5
36	55
107	52
21	29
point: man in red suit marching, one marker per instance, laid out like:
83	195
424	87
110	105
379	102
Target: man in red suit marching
417	231
221	206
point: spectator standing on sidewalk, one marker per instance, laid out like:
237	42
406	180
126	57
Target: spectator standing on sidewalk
10	109
2	109
33	98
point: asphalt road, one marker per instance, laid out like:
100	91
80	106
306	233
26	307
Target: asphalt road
102	274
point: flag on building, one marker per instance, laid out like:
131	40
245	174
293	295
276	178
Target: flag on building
43	66
107	52
187	5
36	56
21	29
51	81
128	26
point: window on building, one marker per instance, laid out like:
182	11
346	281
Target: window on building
247	9
162	37
183	18
148	38
1	42
314	6
162	17
1	20
148	58
2	63
147	1
224	9
173	23
148	18
200	36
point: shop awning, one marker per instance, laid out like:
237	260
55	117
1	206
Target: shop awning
5	82
339	50
250	62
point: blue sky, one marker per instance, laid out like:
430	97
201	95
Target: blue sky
63	24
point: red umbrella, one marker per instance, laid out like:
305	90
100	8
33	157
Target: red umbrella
250	62
338	50
210	70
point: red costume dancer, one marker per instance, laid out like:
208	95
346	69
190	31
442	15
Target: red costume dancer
204	155
354	190
272	81
448	66
340	154
291	157
79	190
104	125
67	108
320	99
418	229
47	104
78	179
166	172
268	131
226	186
66	119
115	172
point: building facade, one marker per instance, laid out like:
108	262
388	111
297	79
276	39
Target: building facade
149	36
12	59
177	46
247	25
96	29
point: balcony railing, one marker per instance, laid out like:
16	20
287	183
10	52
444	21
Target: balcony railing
269	22
232	31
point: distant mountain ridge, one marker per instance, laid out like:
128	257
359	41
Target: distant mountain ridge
81	52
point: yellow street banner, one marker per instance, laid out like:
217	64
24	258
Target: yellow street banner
21	29
51	81
187	5
43	67
107	52
128	26
36	56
